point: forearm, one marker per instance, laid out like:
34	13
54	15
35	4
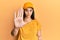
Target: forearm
15	31
39	38
39	35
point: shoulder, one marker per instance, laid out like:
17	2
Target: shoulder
35	21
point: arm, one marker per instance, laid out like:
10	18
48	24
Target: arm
15	31
39	35
18	22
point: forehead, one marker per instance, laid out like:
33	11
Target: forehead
29	8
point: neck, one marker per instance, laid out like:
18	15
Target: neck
27	19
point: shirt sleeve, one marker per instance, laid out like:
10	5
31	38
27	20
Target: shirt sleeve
38	26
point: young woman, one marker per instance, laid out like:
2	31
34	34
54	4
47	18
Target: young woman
26	24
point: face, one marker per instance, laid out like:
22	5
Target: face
28	12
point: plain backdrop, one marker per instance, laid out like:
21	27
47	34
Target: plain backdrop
47	12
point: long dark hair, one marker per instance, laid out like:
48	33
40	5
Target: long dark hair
32	16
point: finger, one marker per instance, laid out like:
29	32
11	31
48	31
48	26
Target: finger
18	14
15	15
21	10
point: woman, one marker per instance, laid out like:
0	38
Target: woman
26	25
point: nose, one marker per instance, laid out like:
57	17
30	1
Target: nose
28	12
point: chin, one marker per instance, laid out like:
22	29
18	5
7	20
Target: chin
28	15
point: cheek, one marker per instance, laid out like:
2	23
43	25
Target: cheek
30	13
26	13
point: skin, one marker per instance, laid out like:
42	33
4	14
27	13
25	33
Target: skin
28	13
19	22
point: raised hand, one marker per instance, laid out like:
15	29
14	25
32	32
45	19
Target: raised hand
18	19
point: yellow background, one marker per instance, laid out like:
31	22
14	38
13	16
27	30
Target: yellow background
47	12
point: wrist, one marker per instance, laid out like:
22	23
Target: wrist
16	28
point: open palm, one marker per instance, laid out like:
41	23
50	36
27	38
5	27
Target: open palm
18	19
